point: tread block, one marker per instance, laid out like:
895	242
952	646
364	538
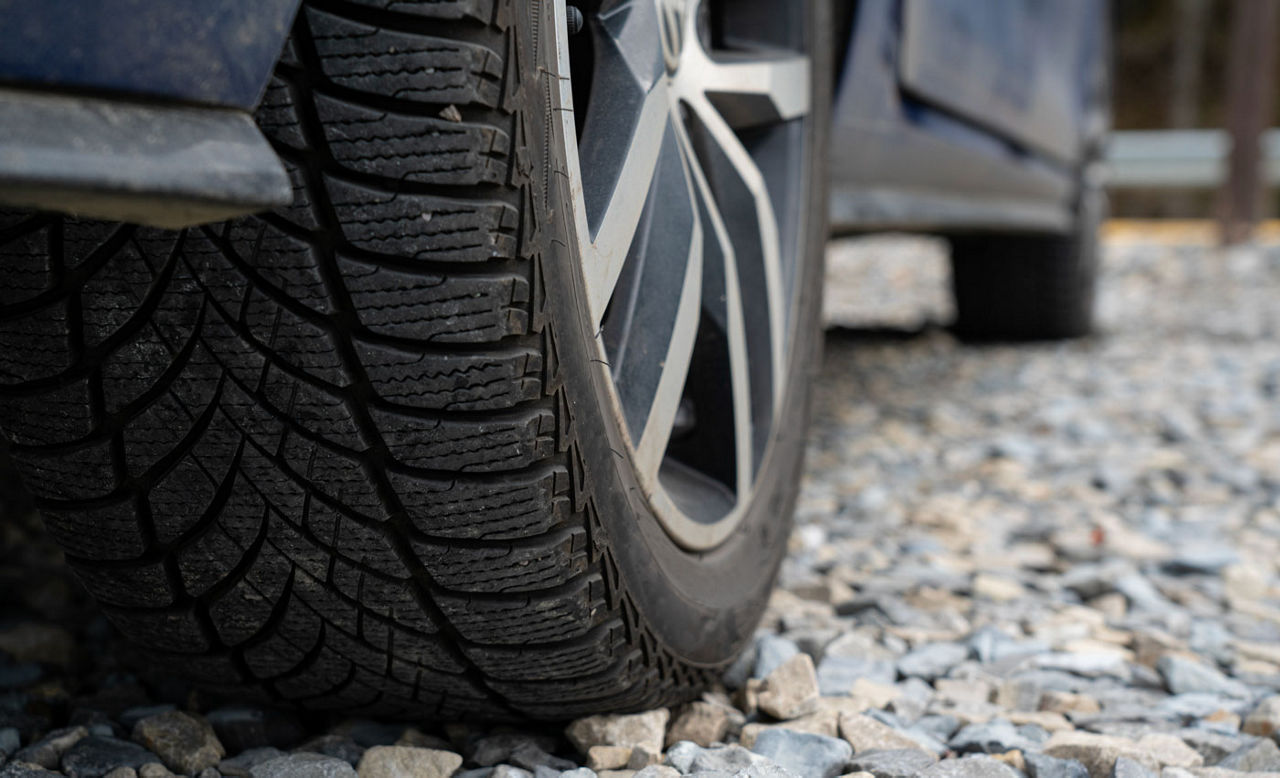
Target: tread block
293	339
60	415
27	262
108	533
505	567
456	382
540	663
144	585
82	473
247	607
516	507
489	445
277	115
424	227
311	408
481	10
111	297
283	650
174	630
400	147
328	472
403	65
457	309
533	618
286	262
37	345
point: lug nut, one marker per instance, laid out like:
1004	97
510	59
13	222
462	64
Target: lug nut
575	20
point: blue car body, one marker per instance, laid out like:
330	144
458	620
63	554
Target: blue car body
949	114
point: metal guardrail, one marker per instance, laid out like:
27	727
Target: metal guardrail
1167	159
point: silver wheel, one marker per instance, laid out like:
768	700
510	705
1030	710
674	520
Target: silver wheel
684	123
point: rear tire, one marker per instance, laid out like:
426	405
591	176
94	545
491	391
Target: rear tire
355	455
1027	287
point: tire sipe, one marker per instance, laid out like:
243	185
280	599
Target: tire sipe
374	452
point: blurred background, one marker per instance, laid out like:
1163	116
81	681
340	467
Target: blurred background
1191	75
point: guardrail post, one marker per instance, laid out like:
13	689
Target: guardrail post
1250	93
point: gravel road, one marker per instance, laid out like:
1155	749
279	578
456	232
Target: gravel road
1044	560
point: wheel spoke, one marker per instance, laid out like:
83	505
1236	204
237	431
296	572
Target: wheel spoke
616	230
752	89
651	325
726	159
727	310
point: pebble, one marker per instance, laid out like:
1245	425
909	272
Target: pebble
639	730
1188	676
185	743
95	756
48	751
1045	766
991	737
703	723
1264	719
1261	756
892	763
791	690
932	661
865	733
803	753
303	765
408	762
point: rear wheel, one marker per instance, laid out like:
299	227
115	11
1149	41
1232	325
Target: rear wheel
1028	287
503	416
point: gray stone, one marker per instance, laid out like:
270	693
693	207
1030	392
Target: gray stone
579	772
681	755
494	749
837	674
10	742
1186	676
185	742
1213	746
242	764
149	770
771	652
1261	756
502	771
95	756
804	753
303	765
970	767
47	751
933	660
530	757
1205	559
337	746
992	737
1128	768
892	763
1044	766
26	770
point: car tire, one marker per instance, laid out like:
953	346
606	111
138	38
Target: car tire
1028	287
364	453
